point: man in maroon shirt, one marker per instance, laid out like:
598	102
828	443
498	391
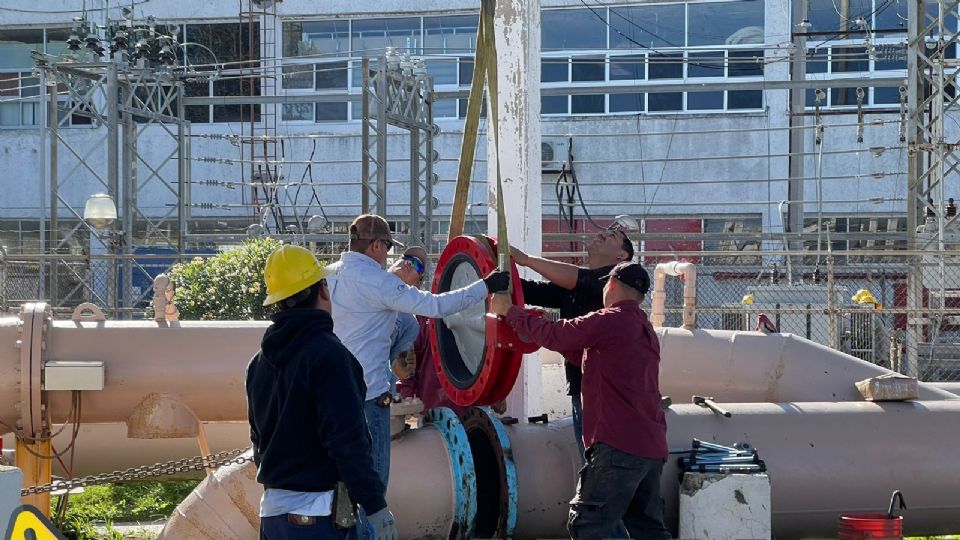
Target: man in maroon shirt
624	429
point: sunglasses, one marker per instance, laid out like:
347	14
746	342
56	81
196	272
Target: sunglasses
387	242
416	263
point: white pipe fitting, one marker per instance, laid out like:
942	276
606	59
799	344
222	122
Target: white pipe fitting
687	272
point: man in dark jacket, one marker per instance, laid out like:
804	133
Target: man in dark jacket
576	291
305	395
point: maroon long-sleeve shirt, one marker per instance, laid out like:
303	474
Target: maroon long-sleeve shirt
621	371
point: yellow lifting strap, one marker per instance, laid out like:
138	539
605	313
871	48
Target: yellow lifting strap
484	70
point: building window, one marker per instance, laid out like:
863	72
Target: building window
232	44
573	29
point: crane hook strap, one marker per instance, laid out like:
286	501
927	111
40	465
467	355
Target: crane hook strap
484	71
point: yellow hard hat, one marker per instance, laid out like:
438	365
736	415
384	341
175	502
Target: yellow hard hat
747	299
289	270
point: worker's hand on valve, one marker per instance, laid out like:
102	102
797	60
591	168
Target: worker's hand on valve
500	304
497	281
384	526
519	256
405	364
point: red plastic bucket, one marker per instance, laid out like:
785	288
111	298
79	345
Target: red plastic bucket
871	527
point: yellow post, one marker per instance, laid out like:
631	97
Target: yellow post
36	470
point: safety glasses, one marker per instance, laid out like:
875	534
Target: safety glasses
416	263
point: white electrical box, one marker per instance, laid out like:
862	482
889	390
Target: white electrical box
73	375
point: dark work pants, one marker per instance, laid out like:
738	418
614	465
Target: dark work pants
279	528
577	413
618	496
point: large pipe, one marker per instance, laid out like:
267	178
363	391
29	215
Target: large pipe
749	367
203	362
422	490
823	459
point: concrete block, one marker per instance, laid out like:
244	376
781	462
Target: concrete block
11	481
725	506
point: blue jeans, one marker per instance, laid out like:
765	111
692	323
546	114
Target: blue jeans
618	496
280	528
577	413
378	422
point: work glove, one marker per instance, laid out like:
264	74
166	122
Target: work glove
384	526
497	281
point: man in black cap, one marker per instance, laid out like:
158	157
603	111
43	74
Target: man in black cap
624	429
576	291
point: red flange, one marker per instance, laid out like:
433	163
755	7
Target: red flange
503	351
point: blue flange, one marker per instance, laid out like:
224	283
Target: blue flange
510	470
464	473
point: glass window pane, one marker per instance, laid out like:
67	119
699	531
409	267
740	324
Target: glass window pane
626	102
373	36
849	59
16	46
462	108
9	114
297	111
57	41
745	63
588	69
670	101
28	114
817	60
9	85
650	26
704	101
331	112
29	86
299	76
887	94
563	29
234	113
554	70
843	97
230	42
445	108
587	104
331	76
666	66
725	23
745	99
316	37
628	67
450	34
705	64
891	16
466	71
197	113
444	69
811	98
825	15
553	105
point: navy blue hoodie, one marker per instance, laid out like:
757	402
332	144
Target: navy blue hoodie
305	406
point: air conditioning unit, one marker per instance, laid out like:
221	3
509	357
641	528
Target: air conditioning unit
731	320
553	153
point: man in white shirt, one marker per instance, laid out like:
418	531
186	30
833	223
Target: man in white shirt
366	299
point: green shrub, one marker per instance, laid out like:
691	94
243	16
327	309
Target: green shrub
226	287
120	503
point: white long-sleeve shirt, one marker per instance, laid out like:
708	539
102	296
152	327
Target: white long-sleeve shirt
366	299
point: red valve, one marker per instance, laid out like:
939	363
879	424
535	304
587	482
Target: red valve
484	376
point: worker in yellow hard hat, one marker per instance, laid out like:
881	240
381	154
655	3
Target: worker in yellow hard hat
305	394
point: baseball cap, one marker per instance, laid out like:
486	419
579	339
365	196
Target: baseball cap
418	252
632	274
370	227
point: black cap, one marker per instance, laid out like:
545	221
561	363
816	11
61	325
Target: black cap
632	274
